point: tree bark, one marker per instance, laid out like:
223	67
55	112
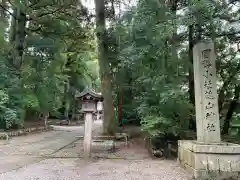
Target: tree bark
3	20
106	88
231	109
173	41
120	99
66	105
191	91
17	39
12	33
20	38
190	70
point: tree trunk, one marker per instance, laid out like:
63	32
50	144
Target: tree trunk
232	107
19	39
174	42
120	103
192	121
66	109
106	89
191	74
13	25
3	20
73	116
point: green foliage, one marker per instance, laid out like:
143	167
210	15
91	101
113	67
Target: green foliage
155	86
50	46
236	118
151	59
167	113
7	116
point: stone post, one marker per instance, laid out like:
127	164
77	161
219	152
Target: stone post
88	134
206	98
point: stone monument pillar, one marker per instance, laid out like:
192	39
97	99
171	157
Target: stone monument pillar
208	157
206	98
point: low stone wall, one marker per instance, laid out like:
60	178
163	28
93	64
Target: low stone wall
210	161
22	132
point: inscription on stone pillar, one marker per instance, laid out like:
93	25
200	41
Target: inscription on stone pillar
206	93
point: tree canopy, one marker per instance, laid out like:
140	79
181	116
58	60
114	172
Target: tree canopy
138	54
47	53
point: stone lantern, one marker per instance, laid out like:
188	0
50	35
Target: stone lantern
88	100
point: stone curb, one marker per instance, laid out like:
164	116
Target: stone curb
22	132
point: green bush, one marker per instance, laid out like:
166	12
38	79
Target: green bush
8	116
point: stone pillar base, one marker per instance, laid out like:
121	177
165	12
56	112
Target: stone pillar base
103	145
219	161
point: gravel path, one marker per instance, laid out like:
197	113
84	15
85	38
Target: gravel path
52	156
76	169
24	150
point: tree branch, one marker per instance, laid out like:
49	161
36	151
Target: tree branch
5	9
232	107
46	13
225	86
